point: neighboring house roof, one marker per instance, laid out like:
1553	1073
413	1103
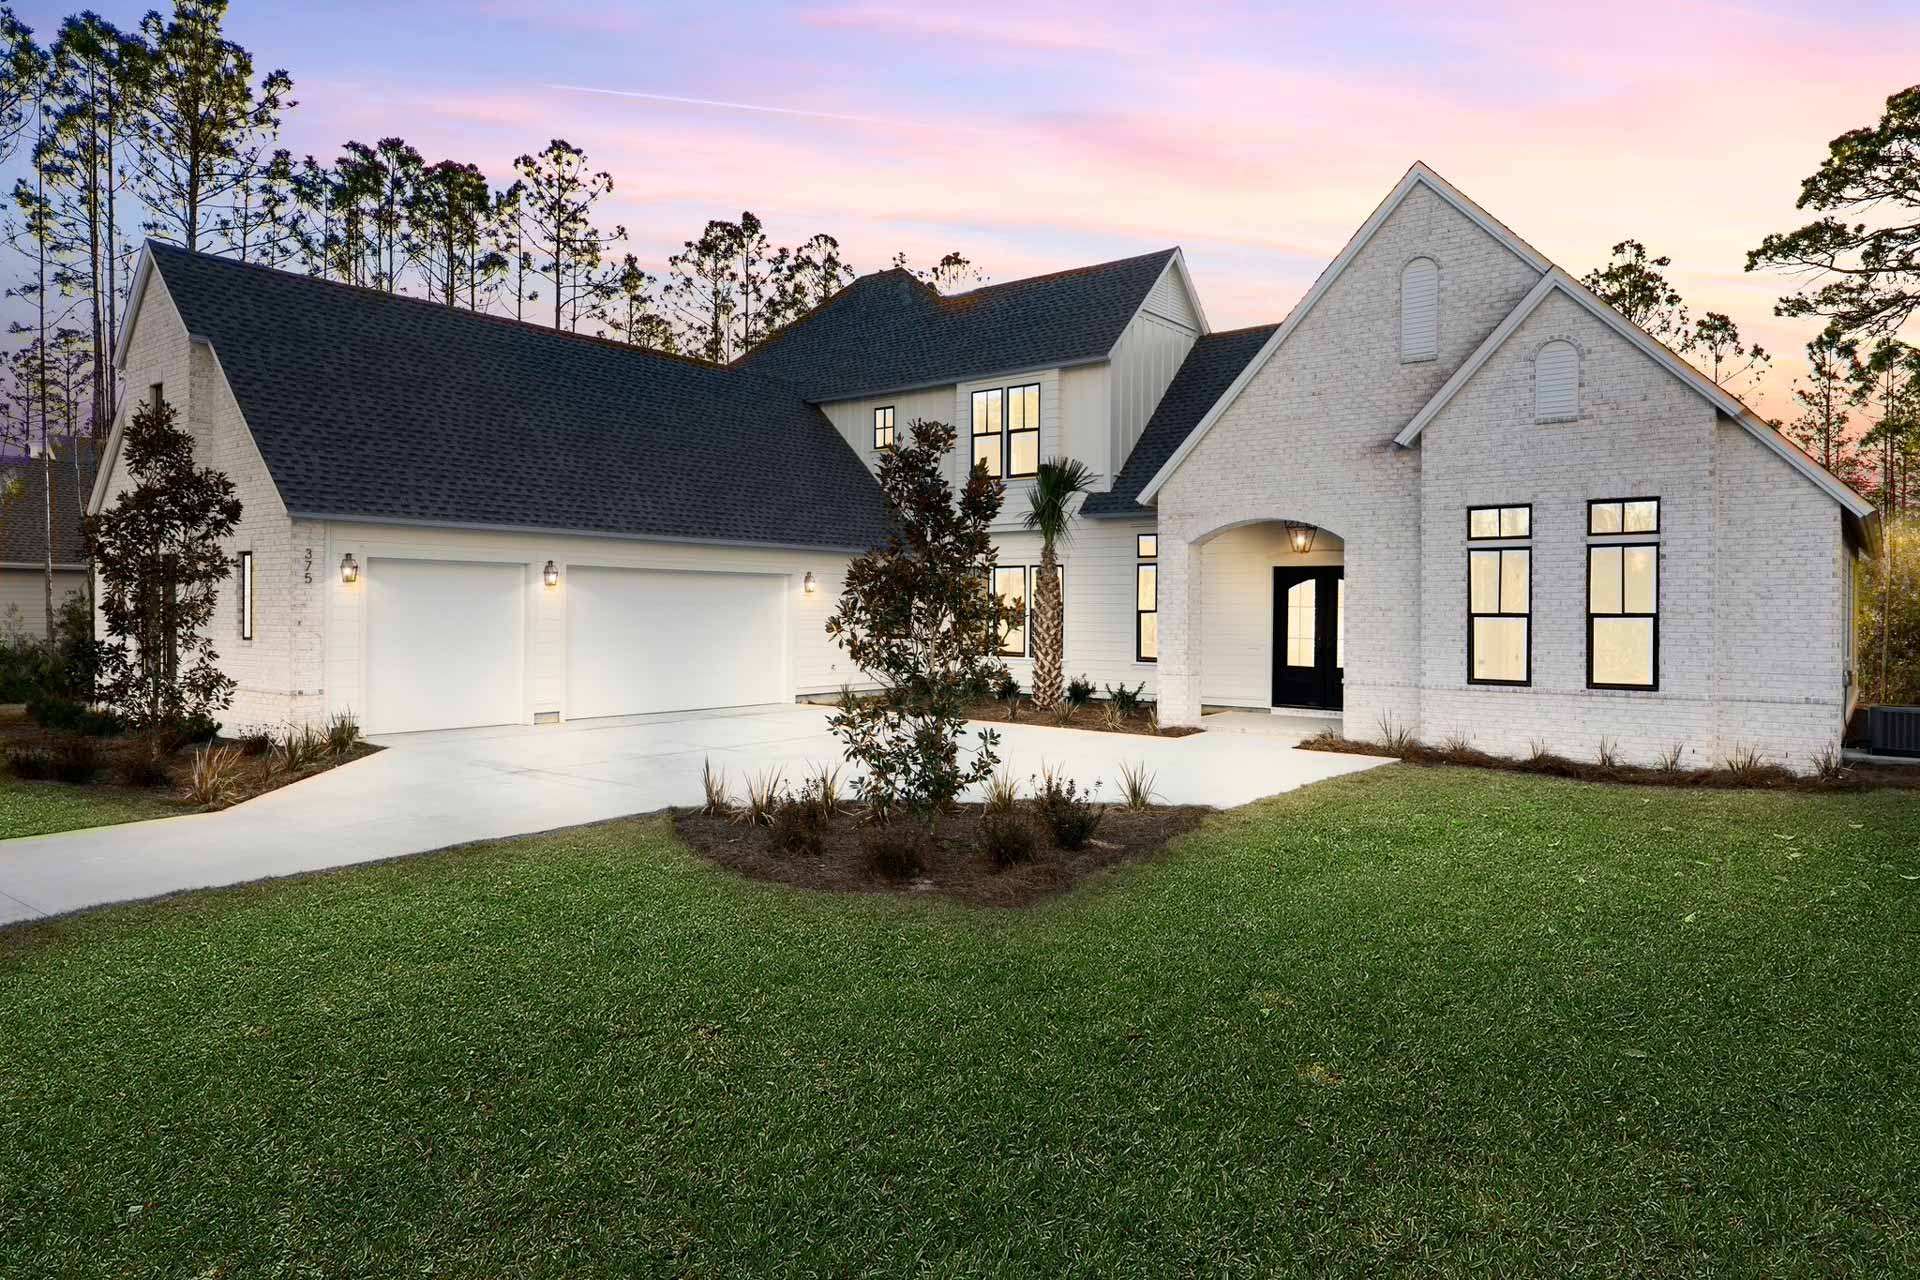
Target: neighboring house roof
1417	176
1209	369
891	332
23	513
366	405
1558	281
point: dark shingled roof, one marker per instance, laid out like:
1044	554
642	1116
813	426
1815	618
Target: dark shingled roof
389	408
889	332
23	511
1204	376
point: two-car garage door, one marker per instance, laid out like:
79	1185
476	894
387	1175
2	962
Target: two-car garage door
447	642
641	640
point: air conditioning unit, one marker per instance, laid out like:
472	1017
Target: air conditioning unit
1893	731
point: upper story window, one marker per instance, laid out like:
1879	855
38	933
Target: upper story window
1006	431
1556	382
883	428
1624	515
1499	522
1420	310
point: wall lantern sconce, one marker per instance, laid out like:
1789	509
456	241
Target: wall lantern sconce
551	574
349	568
808	584
1300	535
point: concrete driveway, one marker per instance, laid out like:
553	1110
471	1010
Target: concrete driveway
431	790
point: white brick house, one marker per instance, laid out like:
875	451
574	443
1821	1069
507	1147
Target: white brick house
1547	529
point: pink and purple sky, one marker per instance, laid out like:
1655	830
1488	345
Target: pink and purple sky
1039	136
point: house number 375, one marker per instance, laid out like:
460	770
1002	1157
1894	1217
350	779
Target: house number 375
306	570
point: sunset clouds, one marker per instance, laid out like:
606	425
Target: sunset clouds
1039	136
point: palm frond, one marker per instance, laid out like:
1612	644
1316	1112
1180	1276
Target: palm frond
1054	485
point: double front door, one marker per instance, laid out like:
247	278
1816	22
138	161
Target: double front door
1309	636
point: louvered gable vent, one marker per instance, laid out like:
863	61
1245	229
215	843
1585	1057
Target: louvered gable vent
1556	383
1420	310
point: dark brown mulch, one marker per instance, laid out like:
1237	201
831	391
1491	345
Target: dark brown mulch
956	868
256	775
1092	717
1763	777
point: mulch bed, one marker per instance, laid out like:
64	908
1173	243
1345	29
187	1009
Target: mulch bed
956	867
257	773
1765	777
1093	716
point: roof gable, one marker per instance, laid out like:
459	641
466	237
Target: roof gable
1558	281
367	405
1417	176
891	332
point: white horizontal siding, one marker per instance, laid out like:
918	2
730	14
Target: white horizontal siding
853	419
23	598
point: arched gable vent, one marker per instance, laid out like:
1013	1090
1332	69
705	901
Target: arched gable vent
1420	310
1556	382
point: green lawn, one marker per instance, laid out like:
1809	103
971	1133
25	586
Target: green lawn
1418	1022
36	808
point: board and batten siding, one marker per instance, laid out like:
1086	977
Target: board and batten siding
815	665
853	419
1150	351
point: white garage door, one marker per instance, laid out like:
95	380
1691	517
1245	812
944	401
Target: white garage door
445	644
641	640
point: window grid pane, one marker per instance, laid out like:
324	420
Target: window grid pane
1148	545
1483	522
1516	522
1623	606
1642	516
1146	609
1300	623
1010	585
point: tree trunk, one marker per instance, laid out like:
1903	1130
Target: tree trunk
1047	631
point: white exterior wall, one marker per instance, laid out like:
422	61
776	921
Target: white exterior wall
1099	616
1145	359
276	673
1311	438
853	419
815	664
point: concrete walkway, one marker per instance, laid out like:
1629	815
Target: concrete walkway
431	790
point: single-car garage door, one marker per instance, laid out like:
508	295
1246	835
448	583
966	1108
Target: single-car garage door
641	640
446	644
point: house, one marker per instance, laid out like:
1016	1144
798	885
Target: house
1546	527
23	539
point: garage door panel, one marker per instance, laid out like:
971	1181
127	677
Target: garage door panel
648	640
446	644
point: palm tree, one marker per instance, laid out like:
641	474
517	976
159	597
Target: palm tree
1054	487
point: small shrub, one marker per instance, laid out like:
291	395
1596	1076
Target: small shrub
1538	752
1458	744
343	733
1607	754
1080	691
30	764
214	781
145	762
1002	793
826	787
713	786
1124	700
763	795
75	717
1828	765
979	683
895	850
77	760
1070	813
1006	840
1136	785
798	821
257	741
1006	691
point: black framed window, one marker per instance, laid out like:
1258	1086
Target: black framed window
1499	522
1006	431
883	428
245	593
1146	599
1500	616
1623	616
1010	585
1147	545
1623	515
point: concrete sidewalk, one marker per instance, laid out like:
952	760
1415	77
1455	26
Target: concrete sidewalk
431	790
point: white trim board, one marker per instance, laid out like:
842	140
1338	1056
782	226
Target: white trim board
1558	281
1418	176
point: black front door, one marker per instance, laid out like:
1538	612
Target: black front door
1308	605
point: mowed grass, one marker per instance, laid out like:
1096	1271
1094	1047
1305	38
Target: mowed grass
38	808
1415	1022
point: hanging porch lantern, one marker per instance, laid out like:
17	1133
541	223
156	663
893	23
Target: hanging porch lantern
1300	535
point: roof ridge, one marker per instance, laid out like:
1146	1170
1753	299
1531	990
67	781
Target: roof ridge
1061	273
369	291
768	339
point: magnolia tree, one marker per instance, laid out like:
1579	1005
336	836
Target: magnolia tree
916	616
160	559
